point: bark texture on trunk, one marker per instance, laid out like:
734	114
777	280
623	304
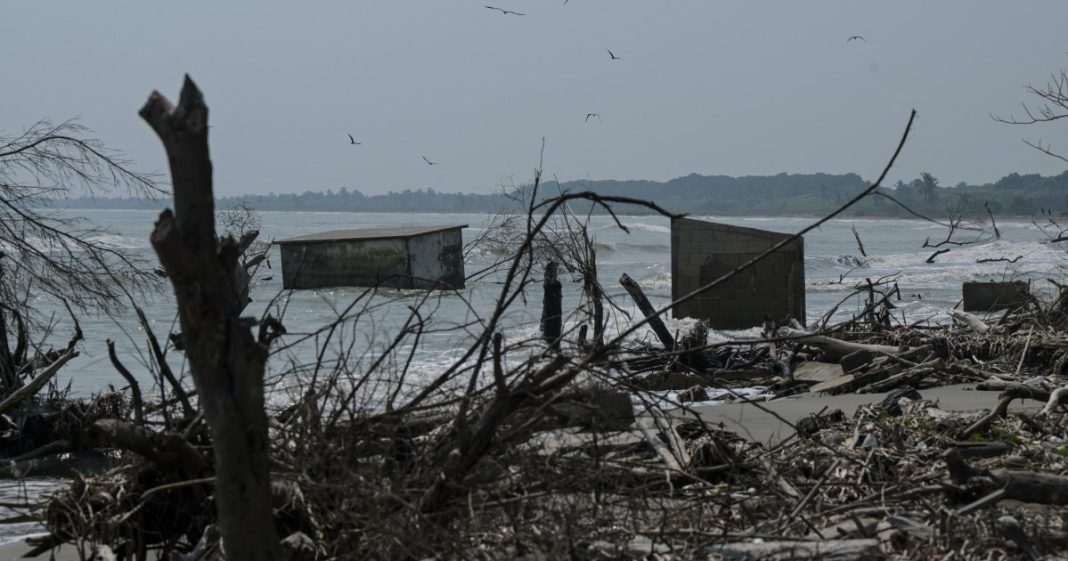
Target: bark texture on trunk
226	361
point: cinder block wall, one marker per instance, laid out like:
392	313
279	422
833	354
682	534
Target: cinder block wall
701	252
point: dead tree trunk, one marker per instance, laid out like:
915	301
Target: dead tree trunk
552	308
647	309
226	361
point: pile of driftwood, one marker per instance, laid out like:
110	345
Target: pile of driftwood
553	460
865	354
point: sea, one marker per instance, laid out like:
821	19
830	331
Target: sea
641	248
834	266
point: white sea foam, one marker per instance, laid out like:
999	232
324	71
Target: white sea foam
641	227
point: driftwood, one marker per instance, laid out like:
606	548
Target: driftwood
865	549
1055	398
167	451
833	346
885	376
31	389
907	377
1011	528
971	320
1018	391
1017	485
135	388
649	312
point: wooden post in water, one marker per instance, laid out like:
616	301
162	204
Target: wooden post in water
648	311
552	308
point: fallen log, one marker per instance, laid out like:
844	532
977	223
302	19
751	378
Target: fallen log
1055	398
836	347
165	450
30	389
1009	484
1002	407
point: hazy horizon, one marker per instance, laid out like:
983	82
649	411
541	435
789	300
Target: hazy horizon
733	89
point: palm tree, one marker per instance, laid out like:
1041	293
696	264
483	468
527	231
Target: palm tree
928	186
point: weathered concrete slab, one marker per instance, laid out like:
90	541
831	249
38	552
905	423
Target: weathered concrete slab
835	385
763	426
818	371
987	296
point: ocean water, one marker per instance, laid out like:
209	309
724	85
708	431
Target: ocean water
833	265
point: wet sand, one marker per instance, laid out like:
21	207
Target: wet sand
760	426
16	550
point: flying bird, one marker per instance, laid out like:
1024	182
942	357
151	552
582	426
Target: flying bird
353	140
505	12
428	162
588	115
855	37
612	56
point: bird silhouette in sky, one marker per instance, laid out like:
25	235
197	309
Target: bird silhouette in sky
353	141
428	162
856	37
589	115
505	12
612	56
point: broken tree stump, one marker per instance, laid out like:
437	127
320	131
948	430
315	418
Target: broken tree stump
227	362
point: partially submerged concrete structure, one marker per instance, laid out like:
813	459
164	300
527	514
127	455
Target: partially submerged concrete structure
988	296
428	257
702	252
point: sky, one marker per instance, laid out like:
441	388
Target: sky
733	88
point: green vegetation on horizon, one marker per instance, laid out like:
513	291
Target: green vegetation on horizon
783	194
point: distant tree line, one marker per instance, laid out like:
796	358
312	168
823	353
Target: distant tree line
782	194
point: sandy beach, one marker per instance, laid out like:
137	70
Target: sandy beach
760	426
16	550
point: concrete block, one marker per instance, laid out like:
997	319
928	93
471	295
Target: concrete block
987	296
705	252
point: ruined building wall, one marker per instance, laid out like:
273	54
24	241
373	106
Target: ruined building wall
704	251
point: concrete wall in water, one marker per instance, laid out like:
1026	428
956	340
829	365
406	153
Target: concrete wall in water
345	263
702	252
989	296
390	257
437	260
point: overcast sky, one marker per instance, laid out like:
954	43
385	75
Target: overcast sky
706	87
